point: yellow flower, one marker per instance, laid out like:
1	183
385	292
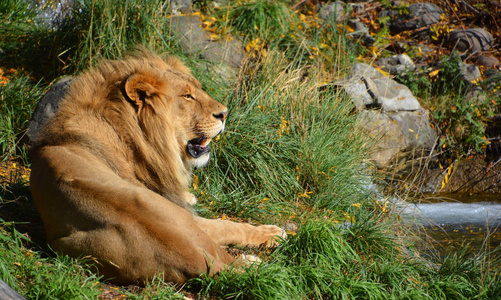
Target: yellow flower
195	182
284	127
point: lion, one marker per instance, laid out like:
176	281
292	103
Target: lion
111	173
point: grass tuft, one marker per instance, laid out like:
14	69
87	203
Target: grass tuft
37	277
18	98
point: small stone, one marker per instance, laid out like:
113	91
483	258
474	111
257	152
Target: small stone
470	41
488	61
332	11
396	64
470	72
178	6
420	15
291	226
357	26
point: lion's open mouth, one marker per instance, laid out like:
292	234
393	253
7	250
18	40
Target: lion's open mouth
198	147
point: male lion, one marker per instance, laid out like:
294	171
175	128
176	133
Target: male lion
111	170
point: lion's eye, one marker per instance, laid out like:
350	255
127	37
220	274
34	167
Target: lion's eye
189	97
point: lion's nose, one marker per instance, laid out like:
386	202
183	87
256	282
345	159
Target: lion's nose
221	116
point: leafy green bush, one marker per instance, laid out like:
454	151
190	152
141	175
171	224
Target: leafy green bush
461	119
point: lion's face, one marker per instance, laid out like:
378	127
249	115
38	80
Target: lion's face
202	119
177	98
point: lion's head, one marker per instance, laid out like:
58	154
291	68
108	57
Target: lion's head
147	116
169	94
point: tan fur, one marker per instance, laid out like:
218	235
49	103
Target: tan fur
110	173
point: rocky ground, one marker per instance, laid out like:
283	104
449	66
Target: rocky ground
417	38
413	41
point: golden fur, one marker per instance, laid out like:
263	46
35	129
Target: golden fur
111	171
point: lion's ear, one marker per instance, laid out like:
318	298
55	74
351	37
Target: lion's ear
139	88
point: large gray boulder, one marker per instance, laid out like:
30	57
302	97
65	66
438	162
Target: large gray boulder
45	109
226	55
370	89
390	114
396	64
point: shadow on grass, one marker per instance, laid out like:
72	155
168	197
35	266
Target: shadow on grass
18	209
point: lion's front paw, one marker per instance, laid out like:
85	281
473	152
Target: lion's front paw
271	235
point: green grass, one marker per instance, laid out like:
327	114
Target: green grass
321	262
292	131
18	99
37	277
291	153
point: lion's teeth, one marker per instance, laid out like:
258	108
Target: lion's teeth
205	142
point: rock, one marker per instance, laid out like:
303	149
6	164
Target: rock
358	92
488	61
398	134
367	40
389	113
470	41
291	226
52	14
361	32
369	89
472	176
492	73
416	129
426	49
343	227
387	134
357	26
396	64
356	8
7	293
178	6
394	96
45	109
332	11
225	54
360	69
420	15
470	73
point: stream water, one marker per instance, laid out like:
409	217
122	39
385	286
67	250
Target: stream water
459	220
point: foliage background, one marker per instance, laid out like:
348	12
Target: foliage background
291	155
